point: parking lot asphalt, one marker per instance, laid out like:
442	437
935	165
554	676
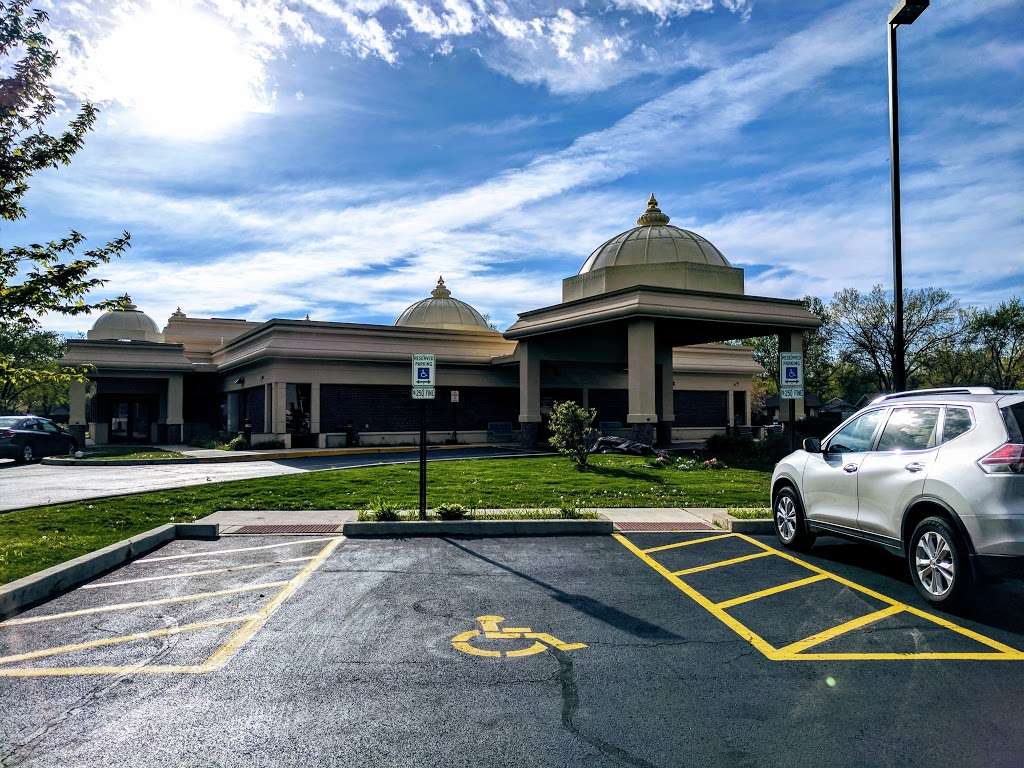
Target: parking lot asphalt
29	485
665	649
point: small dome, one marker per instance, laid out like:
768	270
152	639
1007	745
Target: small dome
128	324
654	241
442	311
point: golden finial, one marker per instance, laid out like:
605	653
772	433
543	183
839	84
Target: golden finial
653	215
441	291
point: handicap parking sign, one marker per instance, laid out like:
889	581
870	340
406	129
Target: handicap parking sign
422	374
791	373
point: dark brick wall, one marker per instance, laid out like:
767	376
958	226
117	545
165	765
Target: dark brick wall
695	408
372	408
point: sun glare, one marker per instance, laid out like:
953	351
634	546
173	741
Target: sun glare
180	72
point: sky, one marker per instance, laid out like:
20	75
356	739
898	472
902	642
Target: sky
278	158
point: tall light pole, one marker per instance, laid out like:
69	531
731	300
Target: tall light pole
905	12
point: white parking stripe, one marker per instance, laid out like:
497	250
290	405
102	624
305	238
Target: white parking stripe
147	560
140	604
229	569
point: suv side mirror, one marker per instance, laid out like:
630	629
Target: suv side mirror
812	445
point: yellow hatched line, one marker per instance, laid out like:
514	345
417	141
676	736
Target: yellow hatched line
138	669
226	652
725	604
187	574
141	604
688	542
721	563
740	629
1002	652
216	661
995	644
839	629
103	642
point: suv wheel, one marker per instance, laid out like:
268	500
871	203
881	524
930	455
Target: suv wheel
788	515
27	454
938	563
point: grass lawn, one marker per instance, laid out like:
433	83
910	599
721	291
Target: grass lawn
130	452
33	539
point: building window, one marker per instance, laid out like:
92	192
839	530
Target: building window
297	408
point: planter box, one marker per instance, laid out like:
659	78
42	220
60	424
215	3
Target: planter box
479	528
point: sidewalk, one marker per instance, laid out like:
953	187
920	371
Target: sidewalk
635	519
216	456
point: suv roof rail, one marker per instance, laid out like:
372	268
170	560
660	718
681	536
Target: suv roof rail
936	391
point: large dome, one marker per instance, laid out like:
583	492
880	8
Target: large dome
654	241
442	311
127	324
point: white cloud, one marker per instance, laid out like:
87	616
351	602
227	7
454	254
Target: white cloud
499	242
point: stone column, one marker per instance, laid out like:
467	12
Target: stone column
529	391
643	412
279	408
791	411
666	400
730	410
175	408
314	407
76	406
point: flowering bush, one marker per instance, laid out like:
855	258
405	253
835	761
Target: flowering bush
690	464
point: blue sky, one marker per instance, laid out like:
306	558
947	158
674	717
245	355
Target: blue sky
273	158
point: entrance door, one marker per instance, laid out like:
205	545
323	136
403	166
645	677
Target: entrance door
131	420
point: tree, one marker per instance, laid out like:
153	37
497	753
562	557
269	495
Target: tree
36	352
818	356
572	431
864	324
52	277
1000	335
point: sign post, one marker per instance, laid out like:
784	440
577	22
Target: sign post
423	373
791	389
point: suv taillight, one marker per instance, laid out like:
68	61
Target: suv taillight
1008	457
6	433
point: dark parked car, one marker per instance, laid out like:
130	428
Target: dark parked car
27	438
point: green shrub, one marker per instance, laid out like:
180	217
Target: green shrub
570	512
383	511
238	443
202	442
448	511
750	513
572	431
268	445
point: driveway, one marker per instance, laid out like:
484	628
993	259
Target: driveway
644	650
35	484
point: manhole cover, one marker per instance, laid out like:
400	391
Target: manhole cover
640	527
322	528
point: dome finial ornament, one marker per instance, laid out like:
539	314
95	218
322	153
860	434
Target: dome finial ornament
441	291
653	215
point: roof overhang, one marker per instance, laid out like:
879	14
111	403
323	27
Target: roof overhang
693	316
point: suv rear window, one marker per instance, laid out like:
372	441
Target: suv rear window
909	429
1013	415
958	421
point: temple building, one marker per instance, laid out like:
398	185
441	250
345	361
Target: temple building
639	336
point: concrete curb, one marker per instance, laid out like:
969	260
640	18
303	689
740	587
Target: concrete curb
261	456
751	526
479	528
42	586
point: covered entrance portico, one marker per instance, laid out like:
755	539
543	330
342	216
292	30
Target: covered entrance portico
630	334
639	296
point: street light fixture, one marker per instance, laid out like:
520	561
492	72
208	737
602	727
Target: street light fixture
905	12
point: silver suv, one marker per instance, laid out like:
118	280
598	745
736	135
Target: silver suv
936	476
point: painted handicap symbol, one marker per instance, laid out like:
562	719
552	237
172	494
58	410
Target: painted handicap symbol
490	630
